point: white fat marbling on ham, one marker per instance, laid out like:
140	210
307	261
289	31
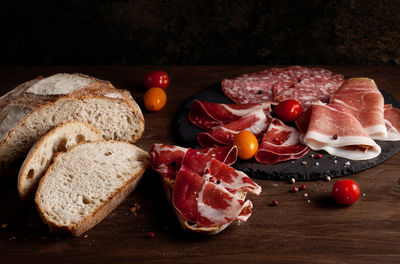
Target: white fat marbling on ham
221	215
280	143
215	171
255	122
362	98
392	122
206	203
334	129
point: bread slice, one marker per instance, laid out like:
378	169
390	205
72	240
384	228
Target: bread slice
168	186
59	139
31	109
86	183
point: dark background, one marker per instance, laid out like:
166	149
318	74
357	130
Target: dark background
200	32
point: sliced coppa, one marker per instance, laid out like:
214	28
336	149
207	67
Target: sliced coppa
167	159
256	122
361	98
392	122
208	115
333	129
86	183
219	173
280	143
206	203
59	139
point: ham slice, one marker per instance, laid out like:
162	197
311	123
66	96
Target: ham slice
280	143
208	115
392	122
361	98
333	129
206	203
167	159
218	172
255	122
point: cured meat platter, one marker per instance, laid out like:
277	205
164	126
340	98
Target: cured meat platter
308	167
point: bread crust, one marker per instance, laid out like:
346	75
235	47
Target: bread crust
100	213
20	100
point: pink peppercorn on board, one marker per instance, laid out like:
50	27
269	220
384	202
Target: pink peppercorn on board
313	166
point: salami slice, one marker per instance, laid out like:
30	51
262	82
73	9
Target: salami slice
206	203
256	122
280	143
167	159
219	173
208	115
306	85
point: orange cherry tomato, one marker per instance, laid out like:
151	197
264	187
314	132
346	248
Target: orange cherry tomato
155	99
246	143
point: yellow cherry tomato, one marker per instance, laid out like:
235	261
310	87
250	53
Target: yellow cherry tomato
155	99
246	143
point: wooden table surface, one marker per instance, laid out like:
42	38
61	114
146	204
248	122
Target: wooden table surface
296	231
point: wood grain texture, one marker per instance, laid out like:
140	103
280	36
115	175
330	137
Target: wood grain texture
296	231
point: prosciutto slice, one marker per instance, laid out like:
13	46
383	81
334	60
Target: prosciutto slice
206	203
208	115
218	172
333	129
280	143
255	122
167	159
361	98
392	122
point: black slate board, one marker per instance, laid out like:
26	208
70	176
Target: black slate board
315	169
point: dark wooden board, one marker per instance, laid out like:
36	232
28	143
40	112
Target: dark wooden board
314	169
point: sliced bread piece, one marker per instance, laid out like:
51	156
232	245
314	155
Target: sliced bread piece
86	183
59	139
31	109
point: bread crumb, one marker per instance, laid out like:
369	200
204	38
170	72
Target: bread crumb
308	201
4	225
85	236
135	208
305	195
292	180
304	163
347	163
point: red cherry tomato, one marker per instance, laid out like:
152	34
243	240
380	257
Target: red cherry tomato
156	79
288	110
345	192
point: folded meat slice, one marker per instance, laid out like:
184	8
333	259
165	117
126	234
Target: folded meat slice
208	115
256	122
392	122
280	143
167	159
206	203
333	129
362	98
219	173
